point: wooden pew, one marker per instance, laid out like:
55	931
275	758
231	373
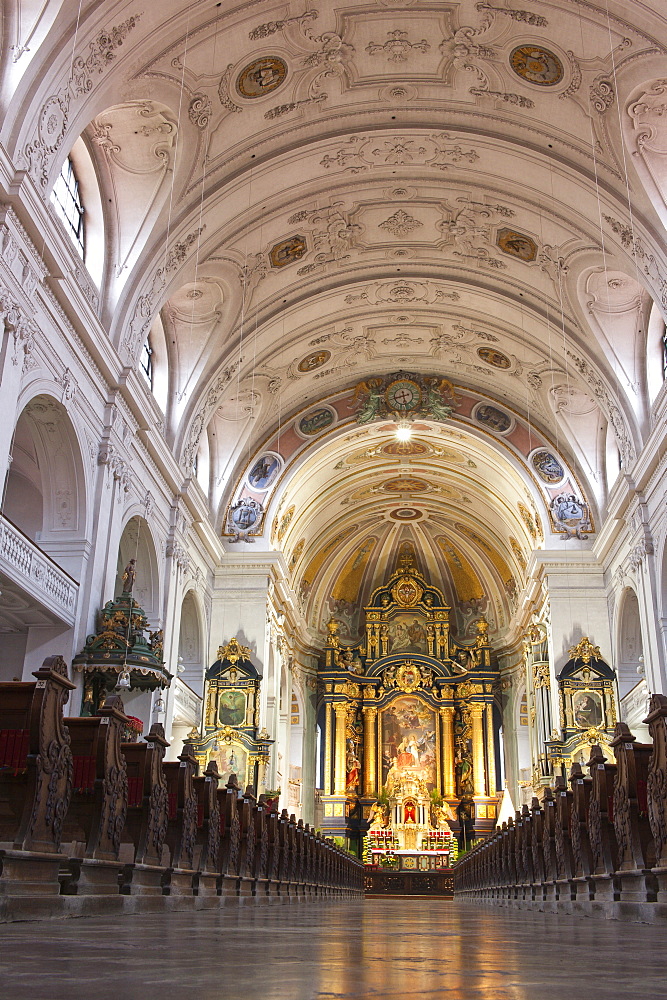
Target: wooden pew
636	850
98	809
562	842
147	814
261	859
273	847
549	845
656	783
536	849
180	878
600	826
230	844
208	831
582	856
35	780
246	807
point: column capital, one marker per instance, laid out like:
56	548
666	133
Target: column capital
370	710
446	710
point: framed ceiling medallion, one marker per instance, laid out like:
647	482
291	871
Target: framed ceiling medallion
517	245
537	65
261	77
403	395
406	514
493	357
313	361
288	251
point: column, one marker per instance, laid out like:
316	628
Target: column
477	712
490	749
370	752
448	776
340	709
327	748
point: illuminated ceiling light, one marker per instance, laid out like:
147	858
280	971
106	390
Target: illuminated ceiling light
404	430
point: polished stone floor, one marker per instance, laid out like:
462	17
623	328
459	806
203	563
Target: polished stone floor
381	948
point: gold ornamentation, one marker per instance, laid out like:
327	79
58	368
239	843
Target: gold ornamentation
261	77
541	677
332	629
585	650
537	65
406	592
233	651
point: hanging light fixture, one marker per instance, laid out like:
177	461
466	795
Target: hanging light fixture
124	679
403	430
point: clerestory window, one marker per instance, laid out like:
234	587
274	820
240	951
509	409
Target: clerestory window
66	199
146	362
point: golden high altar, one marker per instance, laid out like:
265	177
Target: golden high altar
410	742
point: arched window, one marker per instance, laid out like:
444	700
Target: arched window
146	362
656	352
66	199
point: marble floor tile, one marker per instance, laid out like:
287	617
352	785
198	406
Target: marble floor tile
378	949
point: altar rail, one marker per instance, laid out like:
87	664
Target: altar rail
92	825
597	847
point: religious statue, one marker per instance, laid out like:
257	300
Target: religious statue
378	817
441	815
129	576
352	768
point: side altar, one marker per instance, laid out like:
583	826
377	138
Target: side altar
230	733
410	744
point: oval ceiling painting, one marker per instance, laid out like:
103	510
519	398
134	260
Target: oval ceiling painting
493	418
537	65
315	421
547	467
264	471
261	77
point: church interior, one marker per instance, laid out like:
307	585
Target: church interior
333	535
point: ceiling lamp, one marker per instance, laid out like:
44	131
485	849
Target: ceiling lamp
404	430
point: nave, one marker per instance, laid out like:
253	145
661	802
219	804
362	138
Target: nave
380	949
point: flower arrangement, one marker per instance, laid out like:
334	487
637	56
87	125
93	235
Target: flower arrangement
132	729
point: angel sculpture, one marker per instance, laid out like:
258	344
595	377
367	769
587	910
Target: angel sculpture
369	393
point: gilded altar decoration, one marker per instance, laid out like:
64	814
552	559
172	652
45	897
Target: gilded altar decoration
404	396
587	703
408	728
230	725
585	651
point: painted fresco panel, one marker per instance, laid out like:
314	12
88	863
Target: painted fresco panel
407	634
232	760
231	708
408	742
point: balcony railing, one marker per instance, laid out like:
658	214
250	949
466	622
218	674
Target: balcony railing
31	569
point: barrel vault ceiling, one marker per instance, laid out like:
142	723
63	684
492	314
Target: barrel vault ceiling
298	198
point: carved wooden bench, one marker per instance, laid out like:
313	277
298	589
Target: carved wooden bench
98	809
147	813
35	779
180	878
